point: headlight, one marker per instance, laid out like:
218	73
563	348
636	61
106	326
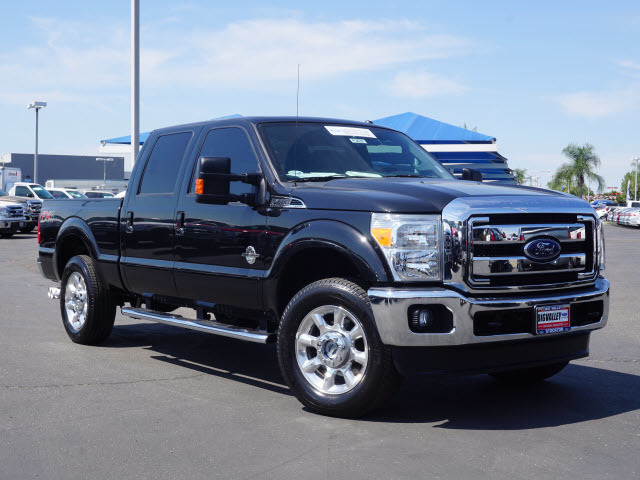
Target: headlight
601	245
411	244
4	212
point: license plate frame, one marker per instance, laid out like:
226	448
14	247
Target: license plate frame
552	318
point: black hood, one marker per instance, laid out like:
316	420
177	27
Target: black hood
406	195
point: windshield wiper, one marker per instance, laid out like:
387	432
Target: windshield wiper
317	179
407	175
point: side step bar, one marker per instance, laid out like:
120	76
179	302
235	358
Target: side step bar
257	336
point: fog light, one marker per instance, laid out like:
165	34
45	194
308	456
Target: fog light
430	319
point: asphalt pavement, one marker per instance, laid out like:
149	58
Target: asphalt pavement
165	403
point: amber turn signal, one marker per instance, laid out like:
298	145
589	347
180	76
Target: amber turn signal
199	186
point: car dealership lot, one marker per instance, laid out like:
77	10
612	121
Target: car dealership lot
160	402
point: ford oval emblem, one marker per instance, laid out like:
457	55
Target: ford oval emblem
542	249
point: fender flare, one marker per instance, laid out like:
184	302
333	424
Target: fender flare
74	227
331	234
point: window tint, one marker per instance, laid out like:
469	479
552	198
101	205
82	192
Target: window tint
57	194
22	191
232	142
161	173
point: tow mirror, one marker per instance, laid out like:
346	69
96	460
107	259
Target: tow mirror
213	183
471	174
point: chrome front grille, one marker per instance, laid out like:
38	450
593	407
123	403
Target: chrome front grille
497	256
15	212
35	207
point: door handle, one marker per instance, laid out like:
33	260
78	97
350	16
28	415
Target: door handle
129	223
179	225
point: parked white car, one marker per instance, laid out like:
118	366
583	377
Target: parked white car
30	190
63	193
11	215
98	194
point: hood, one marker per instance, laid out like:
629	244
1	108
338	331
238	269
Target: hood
411	195
21	200
8	203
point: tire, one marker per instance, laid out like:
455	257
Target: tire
95	311
530	375
27	229
338	348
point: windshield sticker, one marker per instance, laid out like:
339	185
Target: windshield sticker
358	140
350	132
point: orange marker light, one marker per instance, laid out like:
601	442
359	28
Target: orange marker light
199	186
383	235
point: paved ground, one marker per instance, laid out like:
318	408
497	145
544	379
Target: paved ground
164	403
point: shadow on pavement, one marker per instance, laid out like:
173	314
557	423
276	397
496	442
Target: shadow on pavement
579	393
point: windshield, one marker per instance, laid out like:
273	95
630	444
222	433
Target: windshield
41	192
323	152
75	194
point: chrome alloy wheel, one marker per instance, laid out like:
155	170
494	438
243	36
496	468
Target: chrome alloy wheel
331	349
75	301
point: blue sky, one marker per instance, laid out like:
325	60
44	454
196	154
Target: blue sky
535	75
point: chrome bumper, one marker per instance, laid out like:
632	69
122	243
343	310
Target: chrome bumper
390	309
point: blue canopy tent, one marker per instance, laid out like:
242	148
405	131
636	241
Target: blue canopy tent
455	147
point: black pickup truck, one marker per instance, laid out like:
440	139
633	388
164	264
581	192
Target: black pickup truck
345	243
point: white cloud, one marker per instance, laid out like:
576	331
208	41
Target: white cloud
595	105
79	59
424	84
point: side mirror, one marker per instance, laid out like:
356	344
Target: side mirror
30	195
213	183
471	174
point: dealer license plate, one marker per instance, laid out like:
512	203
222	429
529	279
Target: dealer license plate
552	319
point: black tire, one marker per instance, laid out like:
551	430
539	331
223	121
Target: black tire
100	311
27	229
6	235
530	375
380	379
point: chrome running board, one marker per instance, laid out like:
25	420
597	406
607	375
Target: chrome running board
257	336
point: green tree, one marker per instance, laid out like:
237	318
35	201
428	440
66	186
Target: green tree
582	165
629	183
520	174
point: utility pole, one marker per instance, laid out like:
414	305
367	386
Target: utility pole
36	106
135	79
635	193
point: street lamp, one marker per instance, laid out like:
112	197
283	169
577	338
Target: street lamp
104	163
36	106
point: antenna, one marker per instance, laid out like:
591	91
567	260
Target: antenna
295	152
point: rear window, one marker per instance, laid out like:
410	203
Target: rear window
57	194
161	172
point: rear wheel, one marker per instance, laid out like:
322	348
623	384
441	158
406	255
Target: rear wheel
530	375
330	353
88	312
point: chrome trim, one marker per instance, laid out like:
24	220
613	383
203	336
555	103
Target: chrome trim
462	215
513	234
493	266
286	202
390	309
200	325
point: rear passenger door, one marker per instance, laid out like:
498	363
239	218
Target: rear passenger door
148	216
214	260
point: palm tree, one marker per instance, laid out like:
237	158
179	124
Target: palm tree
581	167
520	174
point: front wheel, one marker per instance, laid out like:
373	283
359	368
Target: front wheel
27	229
88	311
530	375
330	353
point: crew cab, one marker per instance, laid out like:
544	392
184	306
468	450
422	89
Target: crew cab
345	243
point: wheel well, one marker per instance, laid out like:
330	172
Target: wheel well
69	248
311	265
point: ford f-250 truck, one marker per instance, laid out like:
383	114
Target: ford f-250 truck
345	243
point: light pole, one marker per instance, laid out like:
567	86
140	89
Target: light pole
135	79
104	161
36	106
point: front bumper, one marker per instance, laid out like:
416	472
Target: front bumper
391	310
10	224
